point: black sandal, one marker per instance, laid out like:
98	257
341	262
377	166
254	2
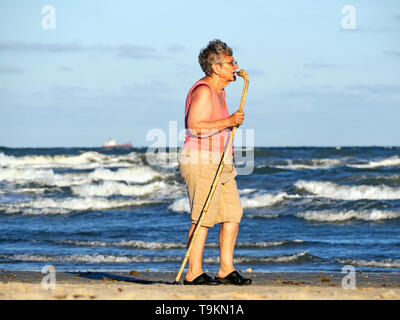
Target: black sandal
203	279
234	278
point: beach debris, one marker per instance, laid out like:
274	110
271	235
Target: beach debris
279	279
147	270
294	282
323	279
120	289
134	272
61	297
249	270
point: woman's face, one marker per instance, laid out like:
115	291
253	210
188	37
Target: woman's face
227	68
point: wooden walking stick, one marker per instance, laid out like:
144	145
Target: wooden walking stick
244	75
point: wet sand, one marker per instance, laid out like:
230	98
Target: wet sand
23	285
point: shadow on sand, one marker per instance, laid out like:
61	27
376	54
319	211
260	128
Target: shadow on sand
117	278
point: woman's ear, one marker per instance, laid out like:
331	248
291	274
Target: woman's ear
216	68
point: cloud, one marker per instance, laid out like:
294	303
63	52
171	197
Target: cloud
10	69
122	51
392	53
136	52
68	92
377	89
65	68
255	72
37	46
153	87
317	65
175	48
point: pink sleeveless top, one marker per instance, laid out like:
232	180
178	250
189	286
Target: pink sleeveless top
218	140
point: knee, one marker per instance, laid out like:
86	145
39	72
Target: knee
230	226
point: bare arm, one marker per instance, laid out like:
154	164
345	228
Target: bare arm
200	111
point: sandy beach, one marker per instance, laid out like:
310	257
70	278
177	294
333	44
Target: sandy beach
135	285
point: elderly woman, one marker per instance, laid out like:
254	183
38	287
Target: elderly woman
208	125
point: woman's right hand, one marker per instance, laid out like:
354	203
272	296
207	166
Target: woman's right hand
236	118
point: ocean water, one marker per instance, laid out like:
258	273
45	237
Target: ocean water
305	210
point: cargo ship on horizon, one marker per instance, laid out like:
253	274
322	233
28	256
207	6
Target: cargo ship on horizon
111	143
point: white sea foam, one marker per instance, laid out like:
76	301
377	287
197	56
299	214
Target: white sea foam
163	159
138	174
156	245
264	244
312	164
388	162
385	263
86	160
247	191
180	205
15	174
337	216
23	176
262	200
262	215
283	259
334	191
108	188
251	202
38	191
67	205
136	244
96	258
99	258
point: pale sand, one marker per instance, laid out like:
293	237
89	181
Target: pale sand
158	286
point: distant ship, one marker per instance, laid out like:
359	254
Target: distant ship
110	143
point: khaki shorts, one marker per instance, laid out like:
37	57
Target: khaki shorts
198	174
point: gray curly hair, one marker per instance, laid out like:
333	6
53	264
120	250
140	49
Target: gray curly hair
212	54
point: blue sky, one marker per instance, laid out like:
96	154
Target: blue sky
122	68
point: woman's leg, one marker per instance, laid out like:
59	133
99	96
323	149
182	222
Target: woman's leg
196	254
227	238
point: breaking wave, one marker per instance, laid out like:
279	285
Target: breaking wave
155	245
334	191
86	160
385	263
138	174
68	205
262	200
95	258
313	164
135	174
297	258
337	216
248	202
388	162
110	188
